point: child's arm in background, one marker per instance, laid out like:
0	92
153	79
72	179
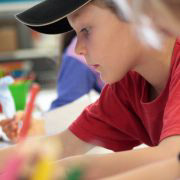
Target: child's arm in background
100	166
167	170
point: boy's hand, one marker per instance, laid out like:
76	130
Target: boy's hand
11	126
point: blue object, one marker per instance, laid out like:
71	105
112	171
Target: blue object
19	73
75	79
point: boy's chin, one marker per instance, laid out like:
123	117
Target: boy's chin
109	80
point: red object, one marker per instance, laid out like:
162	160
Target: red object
28	111
0	108
124	117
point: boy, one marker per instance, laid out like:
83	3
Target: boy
140	103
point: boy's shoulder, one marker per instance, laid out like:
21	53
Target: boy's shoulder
175	63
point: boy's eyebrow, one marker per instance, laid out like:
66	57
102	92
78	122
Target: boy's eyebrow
77	14
73	18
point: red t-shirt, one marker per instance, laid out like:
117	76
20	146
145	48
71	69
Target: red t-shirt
124	117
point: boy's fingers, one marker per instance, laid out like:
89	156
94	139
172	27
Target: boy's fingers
10	128
6	122
19	115
12	123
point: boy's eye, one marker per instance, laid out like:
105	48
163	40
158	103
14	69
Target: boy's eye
85	30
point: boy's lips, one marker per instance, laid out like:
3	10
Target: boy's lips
95	66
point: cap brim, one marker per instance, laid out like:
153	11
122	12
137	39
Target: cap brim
50	16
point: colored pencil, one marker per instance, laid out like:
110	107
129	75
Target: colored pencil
28	112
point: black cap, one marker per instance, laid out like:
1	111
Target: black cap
50	16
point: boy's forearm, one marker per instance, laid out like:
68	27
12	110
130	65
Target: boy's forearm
108	165
115	163
66	144
100	166
69	144
166	169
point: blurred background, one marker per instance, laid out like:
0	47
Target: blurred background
30	57
26	55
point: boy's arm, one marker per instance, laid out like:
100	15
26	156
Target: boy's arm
166	169
100	166
69	145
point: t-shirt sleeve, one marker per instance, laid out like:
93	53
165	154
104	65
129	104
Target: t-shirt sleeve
100	122
171	120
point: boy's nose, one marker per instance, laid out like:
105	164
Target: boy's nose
80	48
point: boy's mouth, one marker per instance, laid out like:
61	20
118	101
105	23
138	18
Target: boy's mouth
95	66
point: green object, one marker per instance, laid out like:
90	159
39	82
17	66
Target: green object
19	92
1	73
75	174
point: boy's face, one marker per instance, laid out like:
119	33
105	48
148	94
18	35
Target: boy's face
108	44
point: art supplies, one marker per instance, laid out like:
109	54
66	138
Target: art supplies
19	91
28	111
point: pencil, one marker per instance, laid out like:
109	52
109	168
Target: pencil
28	112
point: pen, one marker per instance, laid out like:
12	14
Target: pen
28	112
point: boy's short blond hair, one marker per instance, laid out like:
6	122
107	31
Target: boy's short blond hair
174	6
105	4
109	4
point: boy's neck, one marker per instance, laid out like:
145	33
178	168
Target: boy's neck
156	68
